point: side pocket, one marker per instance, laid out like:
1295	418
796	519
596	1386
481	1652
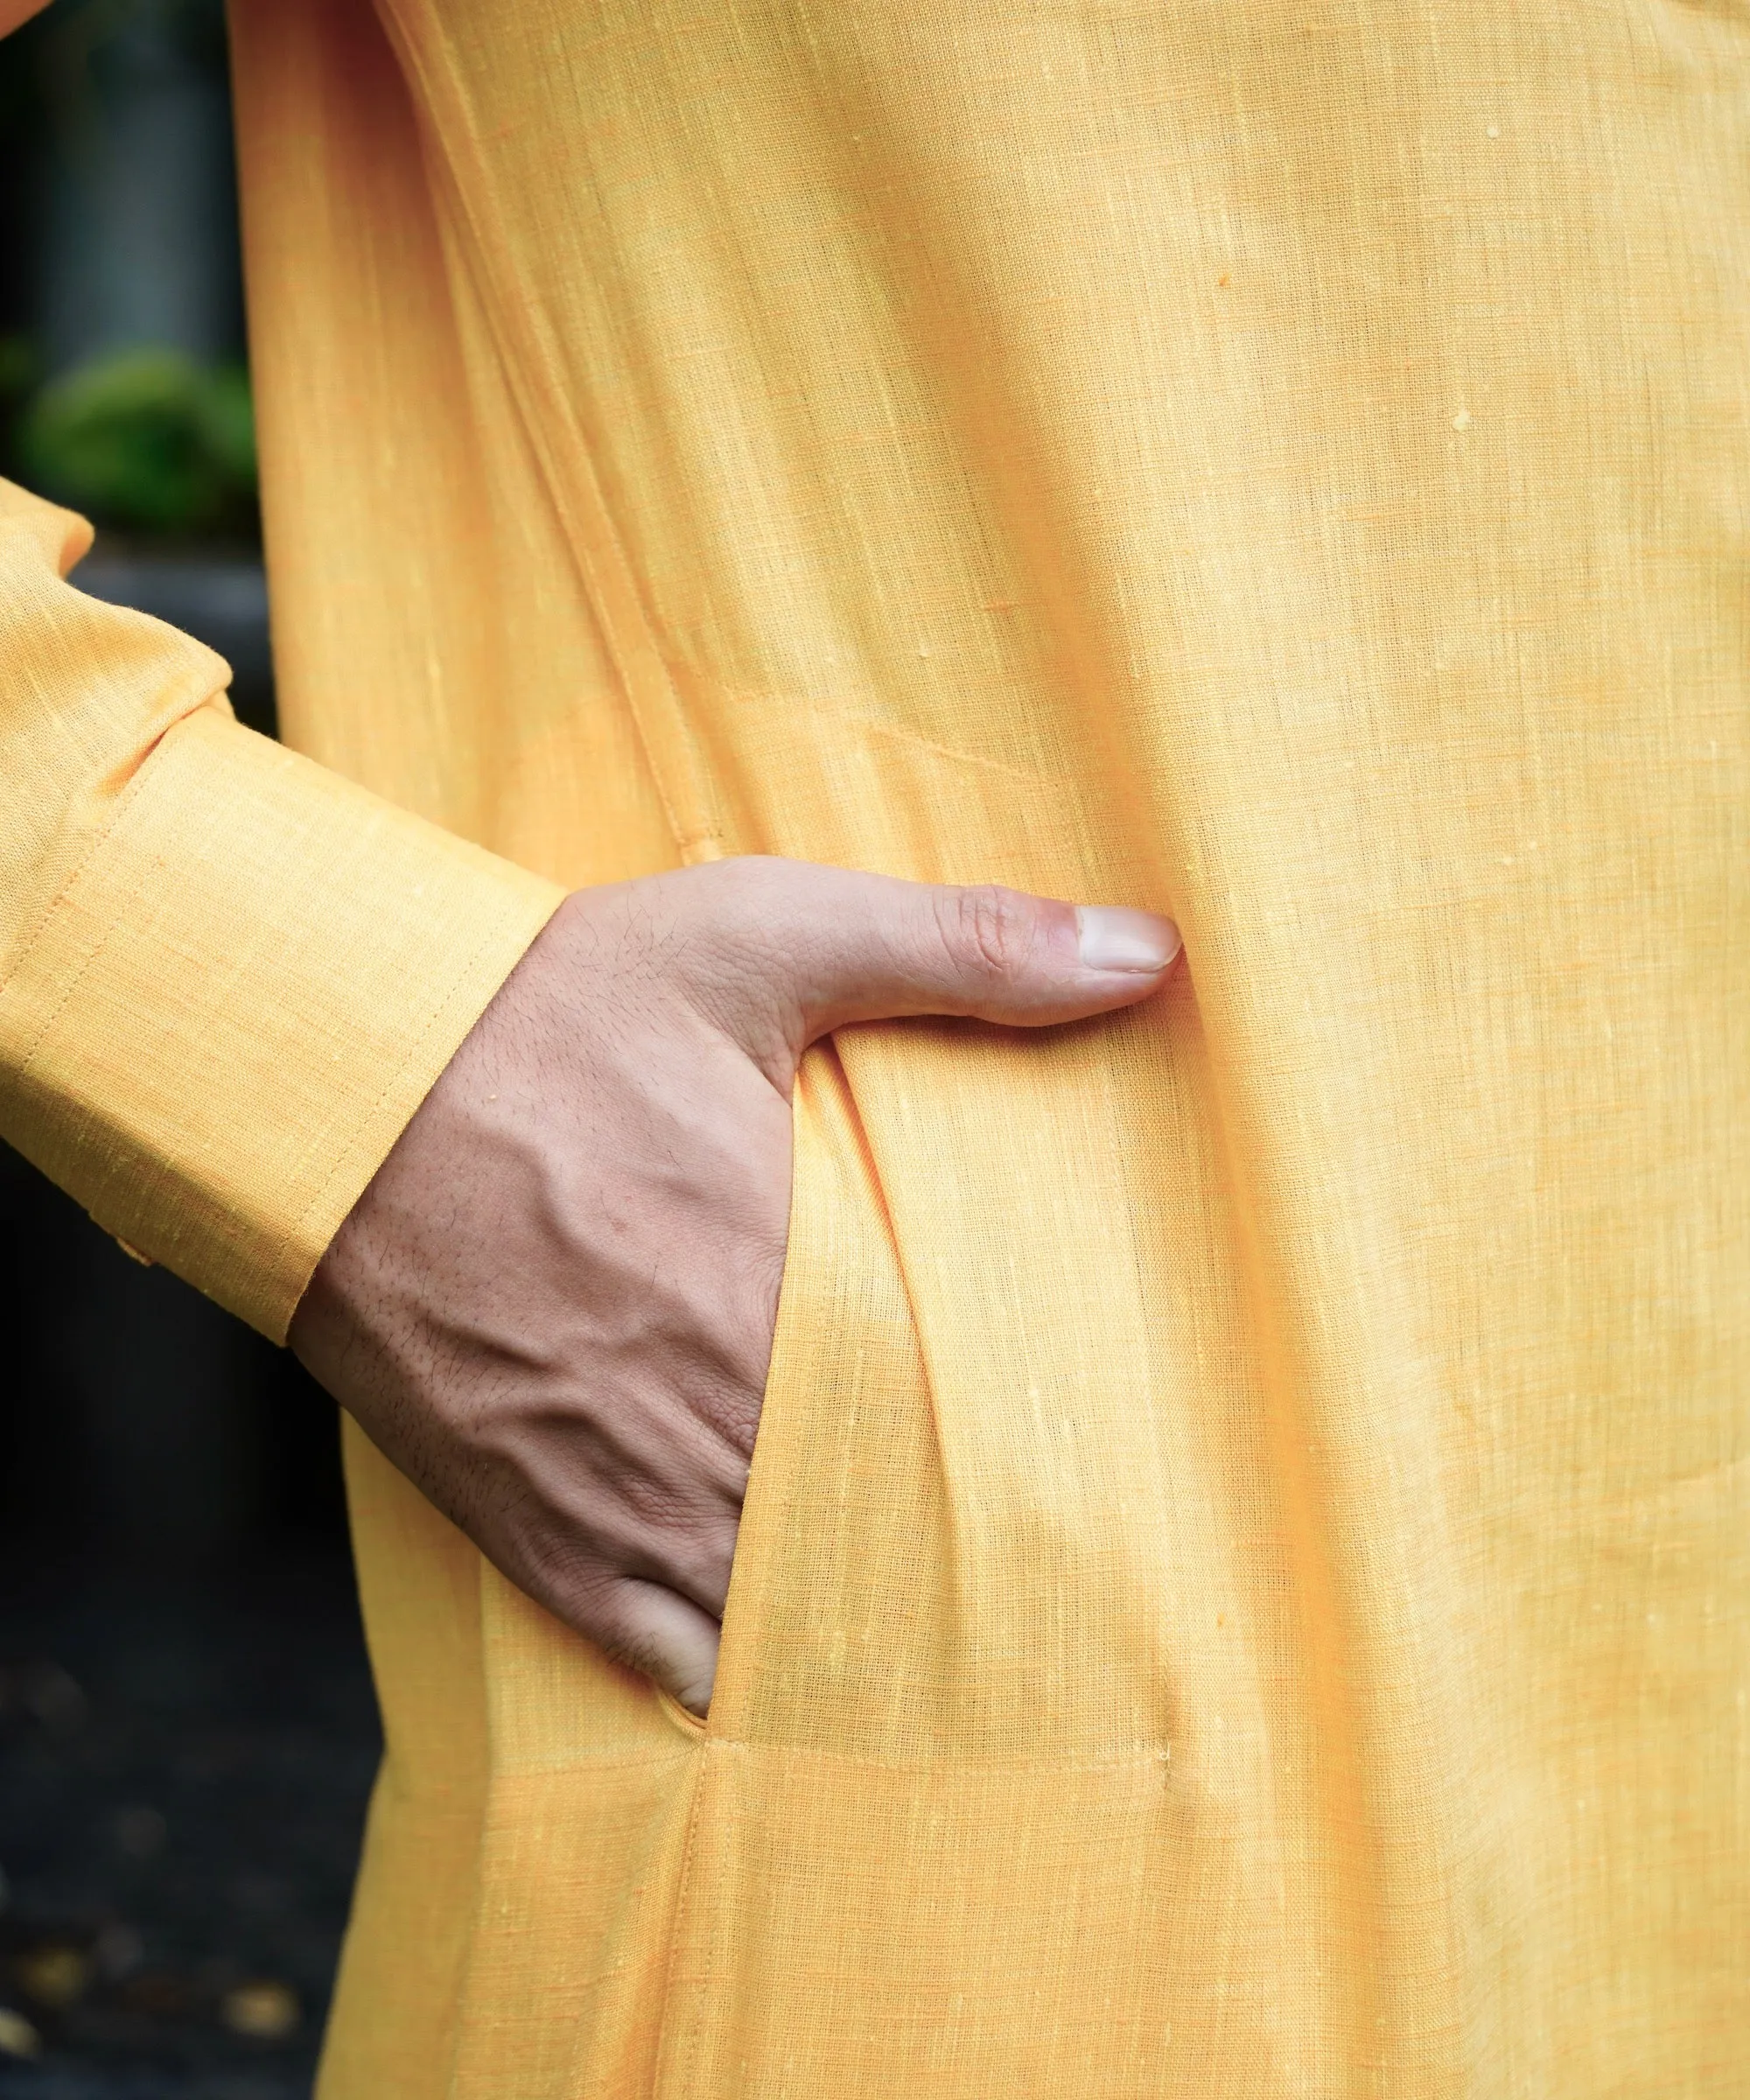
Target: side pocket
800	1301
841	1596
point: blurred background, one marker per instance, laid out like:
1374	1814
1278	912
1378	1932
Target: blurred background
186	1730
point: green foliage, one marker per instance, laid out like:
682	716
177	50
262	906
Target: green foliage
145	439
17	367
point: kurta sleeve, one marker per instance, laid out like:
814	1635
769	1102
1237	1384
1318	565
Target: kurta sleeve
228	977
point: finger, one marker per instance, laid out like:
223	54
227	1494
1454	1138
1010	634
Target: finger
659	1633
838	945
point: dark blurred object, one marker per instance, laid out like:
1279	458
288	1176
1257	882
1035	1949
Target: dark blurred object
180	1817
187	1732
136	216
140	1427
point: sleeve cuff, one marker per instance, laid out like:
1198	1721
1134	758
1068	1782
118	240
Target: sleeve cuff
237	1000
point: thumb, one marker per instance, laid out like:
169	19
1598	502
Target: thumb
816	947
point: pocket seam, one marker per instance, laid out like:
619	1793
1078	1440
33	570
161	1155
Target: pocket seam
688	1723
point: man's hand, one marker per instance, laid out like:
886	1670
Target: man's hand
553	1307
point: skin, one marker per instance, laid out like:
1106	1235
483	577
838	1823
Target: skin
553	1307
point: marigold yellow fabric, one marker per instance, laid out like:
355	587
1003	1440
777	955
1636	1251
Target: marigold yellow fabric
1244	1589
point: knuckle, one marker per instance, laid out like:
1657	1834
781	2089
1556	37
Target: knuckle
657	1507
618	1622
700	1567
567	1578
989	930
676	1515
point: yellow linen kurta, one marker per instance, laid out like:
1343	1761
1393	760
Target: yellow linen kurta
1243	1588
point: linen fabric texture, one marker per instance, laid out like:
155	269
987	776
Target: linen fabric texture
1242	1591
